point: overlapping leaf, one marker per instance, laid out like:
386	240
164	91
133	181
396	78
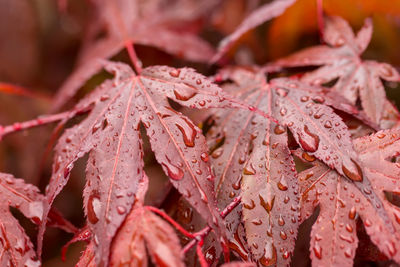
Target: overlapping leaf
111	135
251	153
341	59
16	248
333	237
143	23
142	229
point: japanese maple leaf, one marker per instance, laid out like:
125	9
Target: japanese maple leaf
341	59
111	135
127	22
256	18
333	237
16	248
251	154
140	229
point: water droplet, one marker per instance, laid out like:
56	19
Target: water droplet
283	235
367	223
308	157
348	239
381	135
198	82
237	245
348	253
217	153
36	210
173	171
104	97
249	206
304	98
279	129
204	157
317	250
268	202
285	255
256	222
93	208
202	103
349	228
318	99
282	184
269	257
328	124
121	210
249	169
188	132
308	141
175	73
184	93
281	221
352	170
283	111
282	92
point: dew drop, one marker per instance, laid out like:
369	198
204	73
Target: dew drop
269	257
184	93
352	170
217	153
188	132
328	124
308	157
348	253
348	239
175	73
173	171
304	98
268	202
349	228
104	97
381	135
318	99
317	251
256	222
282	184
249	169
308	141
121	210
204	157
281	221
367	223
283	235
93	208
283	111
249	206
279	129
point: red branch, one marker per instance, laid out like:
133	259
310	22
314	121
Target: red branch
171	221
205	231
132	55
202	259
19	126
